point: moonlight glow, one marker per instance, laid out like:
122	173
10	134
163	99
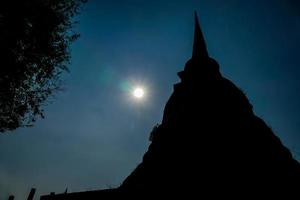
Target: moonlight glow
138	93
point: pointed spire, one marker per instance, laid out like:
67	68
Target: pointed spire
199	47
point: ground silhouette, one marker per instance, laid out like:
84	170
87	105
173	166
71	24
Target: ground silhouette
209	144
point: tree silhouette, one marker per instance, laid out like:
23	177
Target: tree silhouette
35	36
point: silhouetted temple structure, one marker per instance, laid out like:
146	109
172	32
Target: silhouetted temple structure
209	144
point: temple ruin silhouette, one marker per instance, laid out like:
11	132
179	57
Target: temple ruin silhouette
209	143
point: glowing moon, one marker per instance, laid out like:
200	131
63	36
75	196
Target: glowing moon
138	93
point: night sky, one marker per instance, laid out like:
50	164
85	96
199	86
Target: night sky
95	133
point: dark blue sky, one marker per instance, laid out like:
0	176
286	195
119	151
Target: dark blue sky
95	133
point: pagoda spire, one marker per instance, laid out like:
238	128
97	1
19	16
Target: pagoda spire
199	46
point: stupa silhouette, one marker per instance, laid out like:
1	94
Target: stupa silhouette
210	139
210	143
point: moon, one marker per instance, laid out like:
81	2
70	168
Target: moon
138	92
